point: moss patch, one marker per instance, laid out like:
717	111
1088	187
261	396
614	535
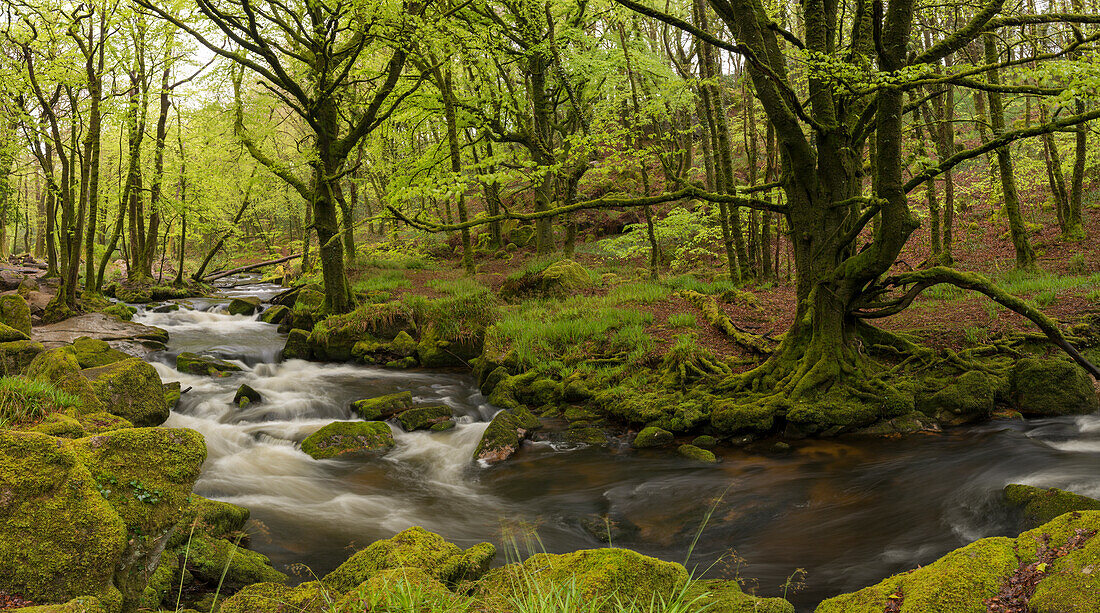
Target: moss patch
349	439
382	406
1041	505
132	390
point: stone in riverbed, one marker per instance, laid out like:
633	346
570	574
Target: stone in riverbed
413	548
422	418
349	439
196	364
696	453
970	397
504	435
382	407
244	306
651	437
275	314
1045	387
211	560
247	394
120	310
1040	505
297	345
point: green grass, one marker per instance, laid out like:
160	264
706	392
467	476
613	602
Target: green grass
690	282
1041	287
682	320
641	292
572	331
28	400
382	281
462	286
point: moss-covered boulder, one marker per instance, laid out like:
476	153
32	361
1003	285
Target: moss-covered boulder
132	390
243	306
705	441
392	589
120	310
16	313
246	395
698	454
59	425
502	439
297	346
1058	560
969	398
598	574
84	604
60	367
1040	505
721	596
146	475
275	315
59	538
382	407
413	548
652	437
309	597
561	278
93	352
349	439
213	517
9	334
98	423
423	418
435	350
1042	387
196	364
17	355
211	559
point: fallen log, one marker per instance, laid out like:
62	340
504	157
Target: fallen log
226	273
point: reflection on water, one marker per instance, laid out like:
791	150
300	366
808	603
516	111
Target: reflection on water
847	511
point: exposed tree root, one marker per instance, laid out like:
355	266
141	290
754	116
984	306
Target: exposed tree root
715	317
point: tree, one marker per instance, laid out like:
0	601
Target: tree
311	54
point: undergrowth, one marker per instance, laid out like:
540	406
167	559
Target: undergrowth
29	400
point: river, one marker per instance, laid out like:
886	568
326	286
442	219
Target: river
847	511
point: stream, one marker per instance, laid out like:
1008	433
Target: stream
848	512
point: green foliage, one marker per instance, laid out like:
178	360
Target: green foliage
391	256
28	400
688	238
690	282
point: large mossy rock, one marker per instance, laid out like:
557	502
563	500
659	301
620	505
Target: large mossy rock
334	338
502	439
131	389
59	538
244	306
966	579
213	517
652	436
195	364
1040	505
16	356
309	597
435	351
84	604
16	313
297	346
558	279
1044	387
595	573
389	590
349	439
211	560
721	596
9	334
61	367
424	418
413	548
275	315
969	398
382	407
93	352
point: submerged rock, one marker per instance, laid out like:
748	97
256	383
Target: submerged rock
1042	387
504	435
413	548
423	418
652	437
696	453
244	306
349	439
382	407
1040	505
196	364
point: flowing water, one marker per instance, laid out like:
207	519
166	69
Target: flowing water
849	511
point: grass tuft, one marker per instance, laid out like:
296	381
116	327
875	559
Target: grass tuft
29	400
